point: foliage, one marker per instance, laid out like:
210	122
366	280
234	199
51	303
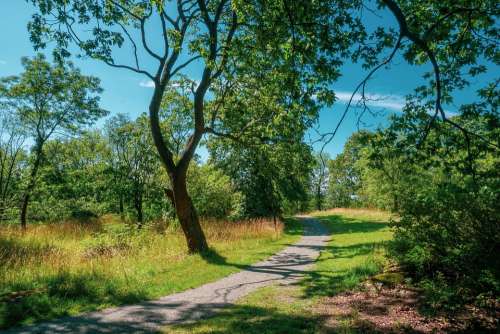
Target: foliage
134	164
447	198
12	160
49	100
319	180
272	179
213	193
344	180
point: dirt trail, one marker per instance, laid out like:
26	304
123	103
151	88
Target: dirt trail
284	267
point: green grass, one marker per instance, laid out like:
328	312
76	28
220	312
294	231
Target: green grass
58	270
355	252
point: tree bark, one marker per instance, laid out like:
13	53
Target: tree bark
31	186
184	208
188	218
318	198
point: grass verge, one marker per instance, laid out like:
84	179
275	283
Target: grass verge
355	252
65	269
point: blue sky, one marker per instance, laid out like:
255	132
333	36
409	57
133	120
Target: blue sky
129	93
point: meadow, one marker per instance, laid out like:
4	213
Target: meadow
53	270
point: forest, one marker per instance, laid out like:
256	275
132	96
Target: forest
103	208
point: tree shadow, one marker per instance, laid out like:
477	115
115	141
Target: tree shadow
65	290
252	320
14	252
317	282
352	251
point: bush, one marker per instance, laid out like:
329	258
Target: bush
446	195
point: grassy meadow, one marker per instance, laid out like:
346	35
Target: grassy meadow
53	270
355	252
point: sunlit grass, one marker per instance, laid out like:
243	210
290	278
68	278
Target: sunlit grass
61	269
356	250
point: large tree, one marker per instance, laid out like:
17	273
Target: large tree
216	35
49	100
319	179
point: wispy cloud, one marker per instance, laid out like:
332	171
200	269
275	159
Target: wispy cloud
3	62
147	84
391	101
151	84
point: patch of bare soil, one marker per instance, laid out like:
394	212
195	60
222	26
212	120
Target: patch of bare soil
383	309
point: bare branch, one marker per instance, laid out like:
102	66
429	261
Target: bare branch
331	135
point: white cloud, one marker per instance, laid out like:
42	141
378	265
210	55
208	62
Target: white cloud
147	84
393	102
2	62
151	84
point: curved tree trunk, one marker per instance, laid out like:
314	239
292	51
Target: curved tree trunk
188	218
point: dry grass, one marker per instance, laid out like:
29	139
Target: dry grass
49	243
223	231
356	213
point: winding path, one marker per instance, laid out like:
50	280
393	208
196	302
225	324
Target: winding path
284	267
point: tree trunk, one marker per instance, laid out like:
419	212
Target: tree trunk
31	186
188	218
318	198
138	207
184	208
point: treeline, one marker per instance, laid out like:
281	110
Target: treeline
54	167
443	185
116	170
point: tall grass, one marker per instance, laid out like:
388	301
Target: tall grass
65	268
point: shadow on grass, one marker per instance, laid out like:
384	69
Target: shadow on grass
18	252
251	320
323	281
328	279
64	291
324	284
352	251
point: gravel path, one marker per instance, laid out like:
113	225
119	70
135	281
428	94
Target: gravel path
284	267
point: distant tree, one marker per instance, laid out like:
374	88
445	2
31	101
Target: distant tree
135	161
213	192
73	180
273	179
49	100
12	159
344	176
319	179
